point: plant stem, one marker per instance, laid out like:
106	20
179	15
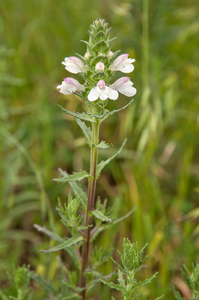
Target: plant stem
88	220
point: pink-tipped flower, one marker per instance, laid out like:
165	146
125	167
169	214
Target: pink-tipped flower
122	63
99	67
103	92
74	65
70	85
124	86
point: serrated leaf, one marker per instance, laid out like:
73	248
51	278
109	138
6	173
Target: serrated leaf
103	145
74	177
86	131
58	239
101	216
113	285
46	285
79	193
103	163
69	242
81	116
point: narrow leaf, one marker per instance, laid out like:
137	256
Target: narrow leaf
82	116
99	215
74	177
110	113
41	281
70	250
71	241
49	233
113	285
86	131
103	163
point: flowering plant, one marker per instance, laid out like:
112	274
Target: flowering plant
83	216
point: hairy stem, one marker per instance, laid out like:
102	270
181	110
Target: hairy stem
90	206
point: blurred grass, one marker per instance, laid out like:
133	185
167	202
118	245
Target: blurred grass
158	170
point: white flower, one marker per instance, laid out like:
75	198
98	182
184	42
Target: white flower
99	67
124	86
74	65
69	86
122	63
103	92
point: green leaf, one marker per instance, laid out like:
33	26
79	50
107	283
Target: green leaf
103	163
49	233
108	113
113	285
86	131
74	177
102	145
70	250
3	296
69	242
41	281
102	228
79	193
81	116
99	215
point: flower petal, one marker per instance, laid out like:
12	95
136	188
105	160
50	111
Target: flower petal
127	89
74	65
75	83
124	86
93	95
65	89
69	86
122	63
112	94
119	82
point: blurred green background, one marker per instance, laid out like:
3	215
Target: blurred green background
159	168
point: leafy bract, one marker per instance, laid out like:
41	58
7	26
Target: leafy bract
74	177
107	113
81	116
103	163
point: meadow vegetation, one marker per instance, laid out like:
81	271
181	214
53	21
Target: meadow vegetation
158	169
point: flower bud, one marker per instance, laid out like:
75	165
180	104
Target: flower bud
99	67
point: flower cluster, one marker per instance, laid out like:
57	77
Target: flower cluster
97	68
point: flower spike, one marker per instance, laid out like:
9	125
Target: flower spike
97	67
